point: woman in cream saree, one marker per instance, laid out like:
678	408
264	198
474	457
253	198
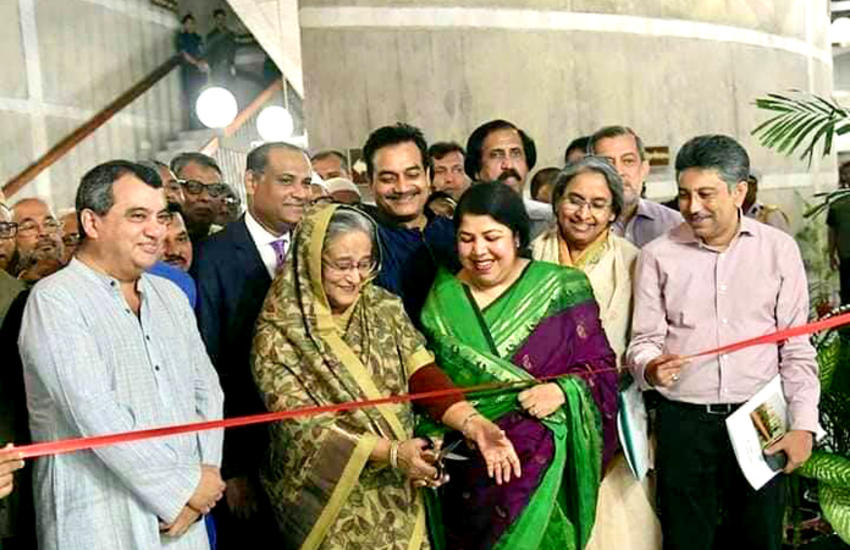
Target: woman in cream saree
587	197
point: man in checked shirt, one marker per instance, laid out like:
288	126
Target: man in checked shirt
107	348
713	280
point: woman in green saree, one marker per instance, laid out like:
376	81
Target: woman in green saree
505	318
327	335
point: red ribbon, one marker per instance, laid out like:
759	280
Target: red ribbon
83	443
779	336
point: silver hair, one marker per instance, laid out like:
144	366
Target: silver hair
347	220
590	163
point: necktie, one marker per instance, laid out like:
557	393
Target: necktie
279	247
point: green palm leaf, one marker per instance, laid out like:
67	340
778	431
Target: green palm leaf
835	503
829	353
802	118
827	468
828	199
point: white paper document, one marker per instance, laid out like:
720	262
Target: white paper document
633	429
756	425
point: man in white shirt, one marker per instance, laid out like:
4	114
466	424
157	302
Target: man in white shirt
234	269
107	348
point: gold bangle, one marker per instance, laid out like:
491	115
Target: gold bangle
394	454
466	420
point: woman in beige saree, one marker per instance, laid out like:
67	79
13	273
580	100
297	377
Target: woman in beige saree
587	197
326	335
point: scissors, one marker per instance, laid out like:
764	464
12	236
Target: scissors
446	453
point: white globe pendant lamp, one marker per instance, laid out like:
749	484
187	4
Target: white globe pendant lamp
216	107
275	123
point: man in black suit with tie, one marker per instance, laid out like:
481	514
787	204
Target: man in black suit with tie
234	269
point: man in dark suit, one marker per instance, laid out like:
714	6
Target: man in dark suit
234	269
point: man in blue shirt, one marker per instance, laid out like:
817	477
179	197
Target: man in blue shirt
413	245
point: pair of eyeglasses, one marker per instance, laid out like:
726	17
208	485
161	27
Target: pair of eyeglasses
194	187
365	267
8	230
573	204
71	239
32	227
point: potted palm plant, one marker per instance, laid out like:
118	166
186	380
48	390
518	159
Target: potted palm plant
801	122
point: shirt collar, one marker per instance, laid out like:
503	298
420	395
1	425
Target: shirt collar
102	278
387	221
643	210
260	235
754	209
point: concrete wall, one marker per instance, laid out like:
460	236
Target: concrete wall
64	61
671	69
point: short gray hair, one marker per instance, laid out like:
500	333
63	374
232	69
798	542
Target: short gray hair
343	161
183	160
715	152
587	164
258	158
95	190
612	132
347	220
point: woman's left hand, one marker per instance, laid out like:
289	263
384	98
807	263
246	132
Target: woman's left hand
496	449
542	400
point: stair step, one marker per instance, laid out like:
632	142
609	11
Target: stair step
185	145
196	135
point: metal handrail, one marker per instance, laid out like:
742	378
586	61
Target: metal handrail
74	138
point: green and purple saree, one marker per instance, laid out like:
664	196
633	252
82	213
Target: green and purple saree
545	324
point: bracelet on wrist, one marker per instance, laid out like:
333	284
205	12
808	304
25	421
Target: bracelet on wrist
394	454
466	420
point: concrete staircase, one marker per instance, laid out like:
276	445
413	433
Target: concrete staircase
185	141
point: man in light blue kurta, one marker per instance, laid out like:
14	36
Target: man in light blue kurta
107	348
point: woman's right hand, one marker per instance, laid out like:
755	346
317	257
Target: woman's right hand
416	461
495	447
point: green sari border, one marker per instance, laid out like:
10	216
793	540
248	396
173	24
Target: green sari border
460	336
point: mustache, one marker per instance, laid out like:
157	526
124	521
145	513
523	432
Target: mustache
509	173
407	194
45	241
174	257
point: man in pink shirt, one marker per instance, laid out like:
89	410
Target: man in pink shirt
718	278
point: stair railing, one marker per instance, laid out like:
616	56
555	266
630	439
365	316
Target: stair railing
74	138
212	146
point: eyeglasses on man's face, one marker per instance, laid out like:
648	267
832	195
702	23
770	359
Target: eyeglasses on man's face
8	230
71	239
31	228
194	187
